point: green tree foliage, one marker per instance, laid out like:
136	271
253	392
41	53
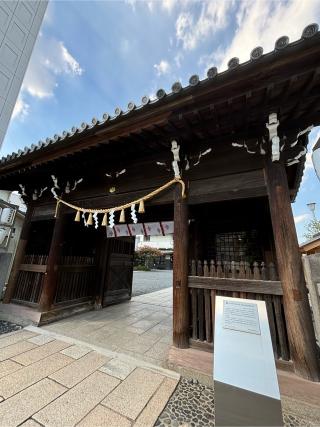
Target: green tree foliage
146	256
312	229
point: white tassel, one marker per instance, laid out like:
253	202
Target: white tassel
133	214
96	220
111	219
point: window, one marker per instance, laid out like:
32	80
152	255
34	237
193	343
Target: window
237	246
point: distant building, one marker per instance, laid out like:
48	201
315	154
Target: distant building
11	219
20	22
311	246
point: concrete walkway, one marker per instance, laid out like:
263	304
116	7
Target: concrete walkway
57	382
141	328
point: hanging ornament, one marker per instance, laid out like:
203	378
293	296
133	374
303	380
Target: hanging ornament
84	219
35	195
23	190
105	220
96	220
77	218
90	222
133	214
76	182
122	216
67	189
141	207
111	219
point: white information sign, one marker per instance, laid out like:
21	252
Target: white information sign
241	316
245	378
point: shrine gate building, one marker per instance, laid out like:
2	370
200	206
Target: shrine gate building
230	152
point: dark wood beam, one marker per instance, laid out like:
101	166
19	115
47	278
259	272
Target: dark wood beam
296	305
50	283
180	272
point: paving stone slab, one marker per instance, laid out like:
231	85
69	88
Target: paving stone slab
16	349
150	414
41	339
25	377
117	368
79	369
7	367
159	351
14	338
102	416
41	352
76	403
133	393
21	406
76	351
30	423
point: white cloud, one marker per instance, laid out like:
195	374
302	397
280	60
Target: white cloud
163	67
178	58
168	5
132	3
301	218
213	17
21	109
49	60
261	23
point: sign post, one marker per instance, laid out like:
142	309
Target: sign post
245	378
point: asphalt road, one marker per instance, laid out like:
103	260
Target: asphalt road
145	282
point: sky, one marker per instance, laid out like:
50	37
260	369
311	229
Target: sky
91	57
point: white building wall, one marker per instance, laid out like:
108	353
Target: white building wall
20	22
159	242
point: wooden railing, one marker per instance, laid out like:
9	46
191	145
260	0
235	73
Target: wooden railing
30	279
204	287
76	279
234	269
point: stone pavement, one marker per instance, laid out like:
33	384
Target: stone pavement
56	382
141	328
145	282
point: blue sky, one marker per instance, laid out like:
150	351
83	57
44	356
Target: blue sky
91	57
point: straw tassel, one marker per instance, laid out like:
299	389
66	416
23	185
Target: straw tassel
77	218
122	216
105	220
141	206
90	221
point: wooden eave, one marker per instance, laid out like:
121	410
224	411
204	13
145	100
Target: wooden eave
234	104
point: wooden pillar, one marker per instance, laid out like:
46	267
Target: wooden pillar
180	272
20	253
295	299
50	282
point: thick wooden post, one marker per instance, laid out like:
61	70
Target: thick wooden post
180	272
50	282
20	253
295	299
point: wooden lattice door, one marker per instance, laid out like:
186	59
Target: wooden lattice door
118	282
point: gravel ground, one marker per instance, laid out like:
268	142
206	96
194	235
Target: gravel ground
192	405
6	327
145	282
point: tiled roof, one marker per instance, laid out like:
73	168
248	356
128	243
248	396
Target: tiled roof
281	44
